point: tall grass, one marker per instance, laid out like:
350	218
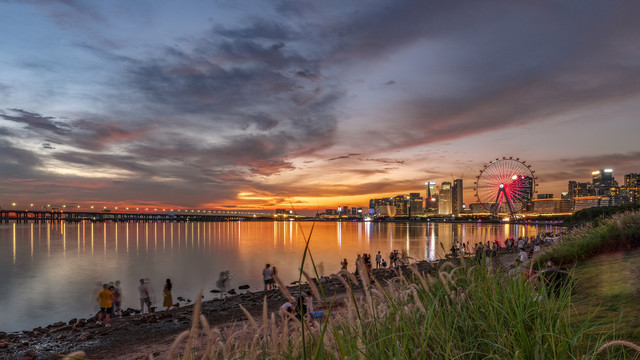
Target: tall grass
456	312
459	312
618	232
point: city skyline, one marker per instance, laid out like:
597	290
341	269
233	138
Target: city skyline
253	105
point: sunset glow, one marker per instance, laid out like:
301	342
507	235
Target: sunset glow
307	105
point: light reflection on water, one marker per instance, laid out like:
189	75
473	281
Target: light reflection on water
47	276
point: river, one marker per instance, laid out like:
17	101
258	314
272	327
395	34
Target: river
51	270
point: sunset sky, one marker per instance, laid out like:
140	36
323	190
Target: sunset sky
310	104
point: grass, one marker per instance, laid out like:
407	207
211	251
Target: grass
456	312
619	232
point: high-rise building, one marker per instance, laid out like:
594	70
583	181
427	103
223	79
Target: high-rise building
572	190
456	196
584	189
415	204
603	181
445	199
401	203
632	184
431	198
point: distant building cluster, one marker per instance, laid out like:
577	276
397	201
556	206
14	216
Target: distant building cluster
604	190
447	199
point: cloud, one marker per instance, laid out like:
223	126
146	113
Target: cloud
37	122
390	82
344	156
500	65
386	161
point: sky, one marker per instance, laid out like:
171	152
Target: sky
232	104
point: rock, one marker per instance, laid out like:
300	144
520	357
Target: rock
79	325
85	337
28	355
73	321
62	328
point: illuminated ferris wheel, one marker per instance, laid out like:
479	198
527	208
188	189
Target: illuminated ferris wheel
505	184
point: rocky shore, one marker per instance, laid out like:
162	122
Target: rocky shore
137	336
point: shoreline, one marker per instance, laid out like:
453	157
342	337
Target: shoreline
137	336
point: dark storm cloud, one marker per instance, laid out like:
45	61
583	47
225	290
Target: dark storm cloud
36	121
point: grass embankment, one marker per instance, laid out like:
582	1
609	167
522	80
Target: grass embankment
616	233
458	312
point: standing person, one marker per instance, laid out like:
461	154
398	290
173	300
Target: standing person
378	260
308	302
145	298
166	292
117	299
273	277
267	276
344	264
105	298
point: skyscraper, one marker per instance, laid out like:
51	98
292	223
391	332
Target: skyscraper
415	204
603	181
457	196
431	203
445	199
632	184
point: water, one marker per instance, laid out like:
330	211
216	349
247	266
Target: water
50	270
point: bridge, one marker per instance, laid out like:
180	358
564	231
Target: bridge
116	216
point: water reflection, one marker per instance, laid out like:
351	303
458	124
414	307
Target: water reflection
55	268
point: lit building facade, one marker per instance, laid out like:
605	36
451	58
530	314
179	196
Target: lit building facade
457	197
445	199
431	197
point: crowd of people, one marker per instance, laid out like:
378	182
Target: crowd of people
525	246
110	299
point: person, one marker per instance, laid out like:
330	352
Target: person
384	263
523	256
145	298
117	299
308	302
223	278
288	307
267	275
168	298
378	260
344	264
105	298
273	277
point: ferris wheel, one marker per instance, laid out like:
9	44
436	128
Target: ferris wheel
505	184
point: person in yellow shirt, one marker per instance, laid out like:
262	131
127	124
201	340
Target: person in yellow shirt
105	298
